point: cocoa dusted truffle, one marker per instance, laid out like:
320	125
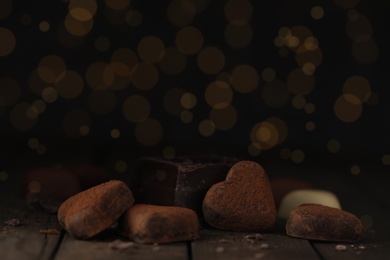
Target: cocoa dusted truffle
243	202
89	212
319	222
182	181
148	224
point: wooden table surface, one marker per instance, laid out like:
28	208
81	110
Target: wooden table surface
366	195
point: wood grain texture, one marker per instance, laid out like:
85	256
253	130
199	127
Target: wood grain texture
101	248
25	241
366	196
216	244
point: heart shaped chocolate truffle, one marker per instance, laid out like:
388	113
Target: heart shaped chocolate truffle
243	202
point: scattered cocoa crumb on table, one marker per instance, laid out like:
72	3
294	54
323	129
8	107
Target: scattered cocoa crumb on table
50	231
259	255
12	222
341	247
264	246
220	249
4	229
122	246
255	237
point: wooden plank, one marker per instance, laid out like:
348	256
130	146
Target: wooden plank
358	195
25	240
217	244
110	246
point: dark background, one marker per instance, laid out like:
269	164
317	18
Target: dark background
352	39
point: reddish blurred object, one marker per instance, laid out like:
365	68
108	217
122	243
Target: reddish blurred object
281	186
89	175
45	188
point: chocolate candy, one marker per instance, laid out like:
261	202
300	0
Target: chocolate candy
243	202
182	181
281	186
149	224
91	211
319	222
298	197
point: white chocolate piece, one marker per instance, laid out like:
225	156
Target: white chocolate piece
295	198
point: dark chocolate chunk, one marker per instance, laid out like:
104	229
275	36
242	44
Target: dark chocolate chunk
182	181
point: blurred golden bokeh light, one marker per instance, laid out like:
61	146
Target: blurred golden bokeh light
359	87
297	156
189	40
181	12
275	94
169	152
10	91
145	76
317	12
76	123
218	94
173	62
173	101
333	145
197	67
136	108
151	49
238	35
117	4
245	78
238	11
188	100
120	166
76	27
102	102
269	133
224	118
70	85
20	118
206	128
5	8
346	4
299	83
149	132
348	108
82	10
211	60
8	42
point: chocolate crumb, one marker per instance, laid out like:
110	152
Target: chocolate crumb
122	246
156	248
12	222
50	231
4	229
264	246
220	249
341	247
222	241
253	238
259	255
